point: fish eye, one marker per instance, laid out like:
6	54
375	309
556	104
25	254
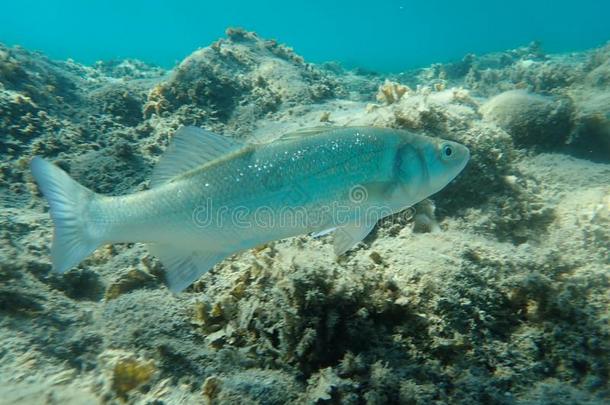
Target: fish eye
447	151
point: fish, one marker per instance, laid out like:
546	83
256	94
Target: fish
211	196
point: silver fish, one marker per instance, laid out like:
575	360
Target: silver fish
212	196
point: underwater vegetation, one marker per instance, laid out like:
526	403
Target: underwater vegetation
495	290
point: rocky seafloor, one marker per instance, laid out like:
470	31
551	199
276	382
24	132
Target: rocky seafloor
500	296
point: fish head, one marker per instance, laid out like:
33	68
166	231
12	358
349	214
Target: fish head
433	161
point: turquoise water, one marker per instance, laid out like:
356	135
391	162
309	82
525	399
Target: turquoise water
381	35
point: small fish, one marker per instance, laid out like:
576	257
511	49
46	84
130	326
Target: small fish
212	196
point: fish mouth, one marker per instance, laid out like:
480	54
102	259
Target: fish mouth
459	168
465	152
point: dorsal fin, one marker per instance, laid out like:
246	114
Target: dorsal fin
190	148
301	133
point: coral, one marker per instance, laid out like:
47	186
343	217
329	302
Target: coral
391	92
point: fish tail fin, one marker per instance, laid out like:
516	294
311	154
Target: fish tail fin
68	201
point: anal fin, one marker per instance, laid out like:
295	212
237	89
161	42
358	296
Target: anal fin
347	236
184	267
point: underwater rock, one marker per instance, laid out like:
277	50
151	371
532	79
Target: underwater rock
242	75
598	69
120	167
49	391
522	68
437	112
128	69
21	119
591	135
125	104
47	83
531	119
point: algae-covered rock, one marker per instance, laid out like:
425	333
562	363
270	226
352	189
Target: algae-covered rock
241	75
598	68
528	68
592	100
126	105
592	131
48	83
269	387
531	119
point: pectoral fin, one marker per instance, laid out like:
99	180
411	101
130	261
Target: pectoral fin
183	267
347	236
